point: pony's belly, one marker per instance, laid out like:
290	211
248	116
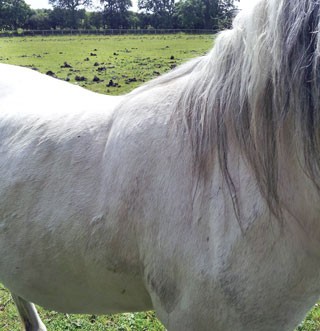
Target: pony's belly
66	272
93	291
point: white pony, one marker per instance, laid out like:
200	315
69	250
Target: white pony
196	195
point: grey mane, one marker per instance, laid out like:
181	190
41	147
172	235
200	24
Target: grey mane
261	78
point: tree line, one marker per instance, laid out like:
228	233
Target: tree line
117	14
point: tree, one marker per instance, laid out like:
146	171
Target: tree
227	10
60	18
39	20
134	20
116	13
13	14
94	20
72	6
205	14
189	14
162	11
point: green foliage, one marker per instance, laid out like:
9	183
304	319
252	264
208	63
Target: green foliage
162	11
94	20
226	13
58	18
189	13
70	4
72	7
116	13
40	19
13	14
205	14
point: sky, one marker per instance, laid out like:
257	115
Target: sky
44	3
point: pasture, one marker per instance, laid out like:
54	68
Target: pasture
104	64
110	65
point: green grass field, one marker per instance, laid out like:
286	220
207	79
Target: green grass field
93	62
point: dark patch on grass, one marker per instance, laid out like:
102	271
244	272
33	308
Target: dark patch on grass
80	79
101	69
96	79
92	319
113	84
32	67
66	65
131	80
51	74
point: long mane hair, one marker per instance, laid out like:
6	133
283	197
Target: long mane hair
260	75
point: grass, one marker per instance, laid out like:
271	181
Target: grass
312	320
128	61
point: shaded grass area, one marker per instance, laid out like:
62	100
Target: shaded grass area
105	64
93	62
